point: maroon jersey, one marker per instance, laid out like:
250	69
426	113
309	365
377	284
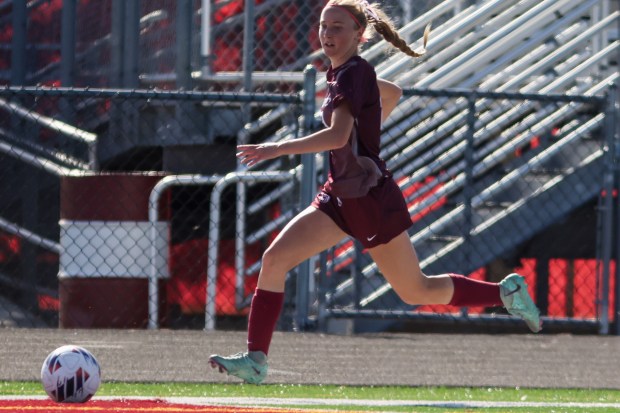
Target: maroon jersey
360	195
356	167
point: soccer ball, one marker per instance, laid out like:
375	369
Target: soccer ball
70	374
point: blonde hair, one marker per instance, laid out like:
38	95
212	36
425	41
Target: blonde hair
373	19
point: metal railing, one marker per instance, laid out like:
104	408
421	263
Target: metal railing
220	183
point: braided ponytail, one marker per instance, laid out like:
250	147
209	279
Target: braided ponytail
390	35
382	25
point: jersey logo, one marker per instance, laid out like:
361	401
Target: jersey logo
323	197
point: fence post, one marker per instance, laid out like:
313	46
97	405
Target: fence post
18	43
323	284
308	188
469	175
607	211
67	52
606	236
67	44
248	55
131	44
468	190
206	38
30	205
613	138
117	42
184	44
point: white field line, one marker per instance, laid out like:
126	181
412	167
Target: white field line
260	401
255	401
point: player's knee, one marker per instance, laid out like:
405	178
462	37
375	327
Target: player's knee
269	259
274	260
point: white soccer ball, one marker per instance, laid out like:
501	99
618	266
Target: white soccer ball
70	374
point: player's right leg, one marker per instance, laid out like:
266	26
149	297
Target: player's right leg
399	264
309	233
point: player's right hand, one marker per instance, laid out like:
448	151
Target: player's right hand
252	154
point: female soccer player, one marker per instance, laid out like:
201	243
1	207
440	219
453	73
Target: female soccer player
360	197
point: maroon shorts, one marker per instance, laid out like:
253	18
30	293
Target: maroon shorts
373	219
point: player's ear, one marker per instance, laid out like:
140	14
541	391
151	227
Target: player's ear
360	34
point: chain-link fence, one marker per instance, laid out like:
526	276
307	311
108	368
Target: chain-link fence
136	214
166	43
495	183
99	213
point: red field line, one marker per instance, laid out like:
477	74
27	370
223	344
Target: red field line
134	406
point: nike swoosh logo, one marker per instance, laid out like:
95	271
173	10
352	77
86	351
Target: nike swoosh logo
257	371
371	238
516	290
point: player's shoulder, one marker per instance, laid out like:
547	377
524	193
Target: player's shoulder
356	65
357	62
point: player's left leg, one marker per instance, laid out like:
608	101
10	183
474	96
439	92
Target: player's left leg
309	233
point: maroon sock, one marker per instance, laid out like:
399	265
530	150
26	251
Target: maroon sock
469	292
264	313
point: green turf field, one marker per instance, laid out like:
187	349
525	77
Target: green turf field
356	395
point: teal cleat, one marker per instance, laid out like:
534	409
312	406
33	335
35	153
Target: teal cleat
516	299
243	366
